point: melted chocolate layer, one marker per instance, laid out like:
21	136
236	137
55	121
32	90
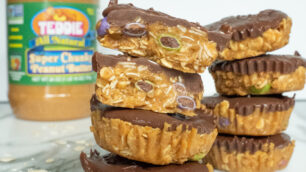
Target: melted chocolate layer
192	82
265	63
250	144
247	105
122	14
204	122
247	26
115	163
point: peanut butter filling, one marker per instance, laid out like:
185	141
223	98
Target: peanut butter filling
50	103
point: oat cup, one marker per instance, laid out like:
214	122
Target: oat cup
251	35
262	75
251	154
123	81
252	115
111	162
151	137
171	42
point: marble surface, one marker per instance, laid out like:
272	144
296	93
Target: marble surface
27	146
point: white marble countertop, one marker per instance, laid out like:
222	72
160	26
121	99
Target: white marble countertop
27	146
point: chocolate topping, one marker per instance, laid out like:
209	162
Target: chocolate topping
247	105
250	144
265	63
192	82
123	14
204	122
115	163
220	38
247	26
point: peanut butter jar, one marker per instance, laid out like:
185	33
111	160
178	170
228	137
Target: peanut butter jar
50	46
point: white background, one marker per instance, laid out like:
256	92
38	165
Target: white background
200	11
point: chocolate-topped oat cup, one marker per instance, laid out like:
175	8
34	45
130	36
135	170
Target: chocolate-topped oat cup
251	115
152	137
124	81
250	35
251	154
262	75
171	42
111	162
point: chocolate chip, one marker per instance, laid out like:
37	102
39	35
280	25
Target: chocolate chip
169	42
185	102
179	88
102	26
134	29
224	122
145	86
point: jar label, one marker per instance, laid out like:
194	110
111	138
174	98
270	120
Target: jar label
51	43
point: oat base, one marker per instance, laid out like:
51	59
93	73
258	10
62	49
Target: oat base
147	144
267	160
228	83
256	124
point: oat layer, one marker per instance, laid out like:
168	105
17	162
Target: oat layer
268	159
229	83
128	82
195	51
150	145
259	123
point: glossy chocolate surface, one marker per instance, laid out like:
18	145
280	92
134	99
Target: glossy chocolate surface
250	144
283	64
247	105
114	163
204	122
246	26
122	14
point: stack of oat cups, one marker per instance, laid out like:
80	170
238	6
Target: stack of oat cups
147	107
252	112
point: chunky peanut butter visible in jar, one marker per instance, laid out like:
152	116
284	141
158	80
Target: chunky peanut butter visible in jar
50	46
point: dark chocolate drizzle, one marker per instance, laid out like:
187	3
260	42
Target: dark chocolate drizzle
114	163
242	144
247	105
265	63
122	14
246	26
192	81
204	122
